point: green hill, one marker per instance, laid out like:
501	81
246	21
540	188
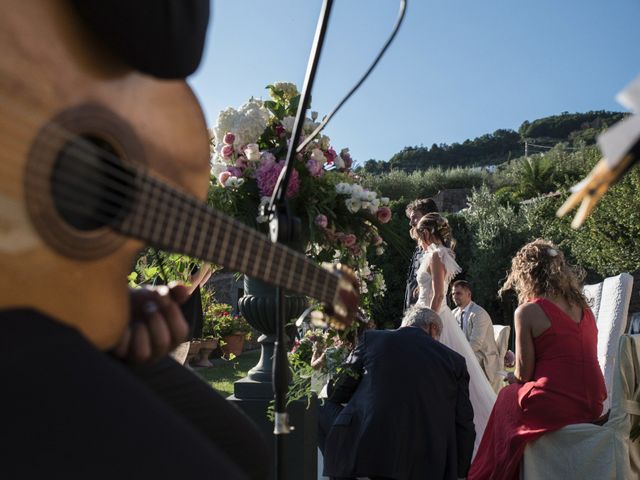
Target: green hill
501	145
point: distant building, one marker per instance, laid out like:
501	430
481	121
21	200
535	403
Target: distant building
452	200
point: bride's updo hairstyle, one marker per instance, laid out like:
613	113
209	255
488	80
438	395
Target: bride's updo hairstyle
538	269
437	226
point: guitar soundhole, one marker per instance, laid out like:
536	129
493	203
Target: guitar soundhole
91	187
79	180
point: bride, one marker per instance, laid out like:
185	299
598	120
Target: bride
437	269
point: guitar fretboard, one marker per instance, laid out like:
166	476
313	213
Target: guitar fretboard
171	220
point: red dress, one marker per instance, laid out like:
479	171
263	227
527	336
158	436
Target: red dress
567	388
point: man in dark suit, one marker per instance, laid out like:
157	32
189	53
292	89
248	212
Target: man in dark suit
408	414
415	211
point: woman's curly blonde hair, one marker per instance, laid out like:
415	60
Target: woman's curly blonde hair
437	226
539	268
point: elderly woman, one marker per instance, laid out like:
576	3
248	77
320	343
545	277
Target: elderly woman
557	381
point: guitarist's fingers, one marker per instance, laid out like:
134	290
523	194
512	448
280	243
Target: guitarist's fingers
177	326
159	334
140	348
122	347
179	293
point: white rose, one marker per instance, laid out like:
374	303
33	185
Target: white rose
353	204
318	156
356	190
384	201
375	203
379	251
343	188
252	152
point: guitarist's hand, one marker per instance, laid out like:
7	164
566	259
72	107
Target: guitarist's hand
157	324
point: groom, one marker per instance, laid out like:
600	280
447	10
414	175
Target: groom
408	414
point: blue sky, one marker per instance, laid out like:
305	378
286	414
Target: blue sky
458	68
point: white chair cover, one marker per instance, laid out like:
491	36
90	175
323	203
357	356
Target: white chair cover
587	451
501	334
611	319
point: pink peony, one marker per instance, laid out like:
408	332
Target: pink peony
229	138
383	214
315	169
227	151
349	240
267	177
321	221
223	177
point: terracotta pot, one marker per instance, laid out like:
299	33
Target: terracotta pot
233	344
206	347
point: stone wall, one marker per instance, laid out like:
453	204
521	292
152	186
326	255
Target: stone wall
452	200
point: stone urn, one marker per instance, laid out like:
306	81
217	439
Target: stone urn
205	349
258	307
194	347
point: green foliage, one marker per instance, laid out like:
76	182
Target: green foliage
489	149
564	125
494	233
399	185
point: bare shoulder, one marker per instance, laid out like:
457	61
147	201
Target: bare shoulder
530	315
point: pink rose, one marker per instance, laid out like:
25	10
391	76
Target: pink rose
355	250
280	130
321	221
509	359
346	158
377	240
227	151
383	214
349	240
223	177
229	138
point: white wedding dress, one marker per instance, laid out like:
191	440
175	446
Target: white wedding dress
481	393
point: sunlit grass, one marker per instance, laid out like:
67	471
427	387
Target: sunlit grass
222	375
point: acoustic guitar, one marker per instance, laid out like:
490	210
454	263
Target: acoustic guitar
98	160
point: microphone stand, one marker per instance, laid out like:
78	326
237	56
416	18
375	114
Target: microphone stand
285	228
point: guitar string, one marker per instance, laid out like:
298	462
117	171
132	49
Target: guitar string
114	170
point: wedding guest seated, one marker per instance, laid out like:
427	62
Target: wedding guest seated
477	326
408	414
557	381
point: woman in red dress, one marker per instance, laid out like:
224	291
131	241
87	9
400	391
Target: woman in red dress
557	381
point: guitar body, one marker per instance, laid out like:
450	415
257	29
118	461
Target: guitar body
56	78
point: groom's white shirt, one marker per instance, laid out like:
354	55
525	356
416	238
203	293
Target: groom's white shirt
478	329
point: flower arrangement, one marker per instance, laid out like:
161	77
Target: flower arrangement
340	219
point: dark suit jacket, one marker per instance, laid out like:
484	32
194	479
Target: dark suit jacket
408	414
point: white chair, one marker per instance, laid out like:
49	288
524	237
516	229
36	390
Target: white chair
610	305
501	333
587	451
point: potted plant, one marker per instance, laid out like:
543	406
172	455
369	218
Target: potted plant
231	329
209	340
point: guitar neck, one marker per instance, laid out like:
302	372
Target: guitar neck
174	221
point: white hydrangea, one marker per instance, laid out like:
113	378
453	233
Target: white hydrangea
247	124
369	196
288	89
233	182
353	204
343	188
217	168
384	201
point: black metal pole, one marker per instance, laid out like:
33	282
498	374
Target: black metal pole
283	228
